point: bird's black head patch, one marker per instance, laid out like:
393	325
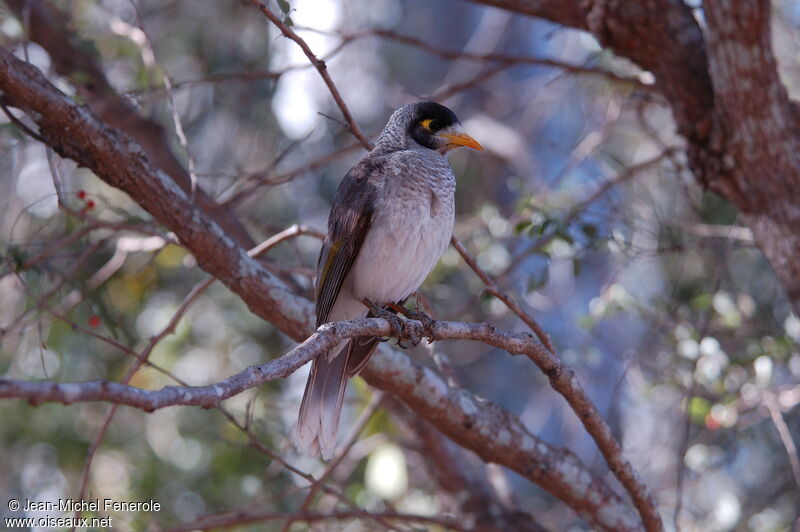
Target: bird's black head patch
429	118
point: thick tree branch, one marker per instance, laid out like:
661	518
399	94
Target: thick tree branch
76	133
564	381
469	495
742	131
564	12
150	400
71	59
483	427
758	128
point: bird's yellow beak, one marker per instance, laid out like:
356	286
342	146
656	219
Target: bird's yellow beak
461	139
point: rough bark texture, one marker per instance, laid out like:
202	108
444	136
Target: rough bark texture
759	133
727	99
496	436
75	132
46	27
469	494
742	131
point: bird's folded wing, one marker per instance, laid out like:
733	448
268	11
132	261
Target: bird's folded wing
348	224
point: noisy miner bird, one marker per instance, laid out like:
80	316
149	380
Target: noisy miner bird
391	220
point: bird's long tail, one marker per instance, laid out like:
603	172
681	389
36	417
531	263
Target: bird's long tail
321	408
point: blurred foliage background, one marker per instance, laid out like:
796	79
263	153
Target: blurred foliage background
581	206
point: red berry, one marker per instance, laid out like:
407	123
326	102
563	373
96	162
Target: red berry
711	422
94	321
90	204
81	194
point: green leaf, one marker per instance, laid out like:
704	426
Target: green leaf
701	302
543	226
699	409
522	226
284	6
81	77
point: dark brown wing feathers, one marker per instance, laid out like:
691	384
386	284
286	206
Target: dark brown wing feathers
348	224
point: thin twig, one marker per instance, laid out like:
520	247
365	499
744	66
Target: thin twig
350	440
20	124
492	288
484	57
254	443
142	358
582	205
564	382
319	64
513	442
238	519
476	80
139	36
259	180
785	434
687	425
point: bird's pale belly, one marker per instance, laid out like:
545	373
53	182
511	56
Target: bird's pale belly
396	257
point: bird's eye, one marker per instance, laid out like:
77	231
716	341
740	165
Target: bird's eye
431	125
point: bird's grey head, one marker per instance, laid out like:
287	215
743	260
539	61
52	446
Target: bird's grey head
423	125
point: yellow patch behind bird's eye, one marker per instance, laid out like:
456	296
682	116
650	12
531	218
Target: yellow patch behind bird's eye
427	124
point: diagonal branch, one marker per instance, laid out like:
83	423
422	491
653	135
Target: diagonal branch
45	23
785	434
727	98
563	380
321	67
75	132
238	519
485	428
494	289
463	487
510	59
567	12
758	125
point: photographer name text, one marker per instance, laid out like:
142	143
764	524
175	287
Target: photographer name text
96	505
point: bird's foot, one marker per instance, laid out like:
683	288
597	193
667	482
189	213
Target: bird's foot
397	324
428	323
